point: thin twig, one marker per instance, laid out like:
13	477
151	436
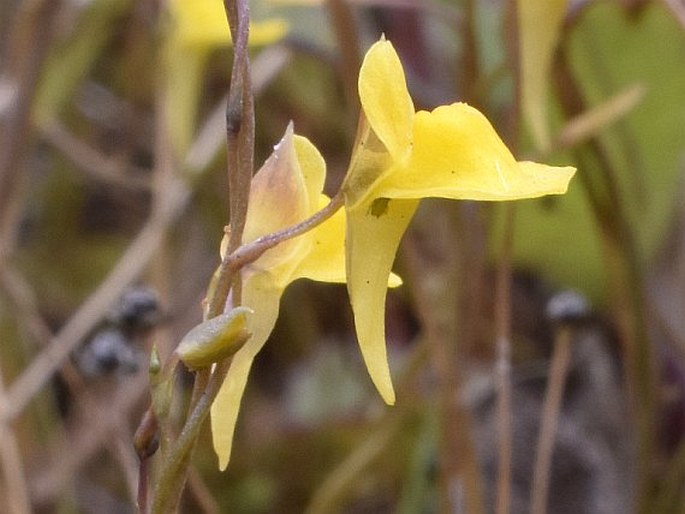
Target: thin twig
240	157
347	39
252	251
90	160
550	418
678	10
17	496
239	120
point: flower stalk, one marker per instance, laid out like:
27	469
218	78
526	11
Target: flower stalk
283	228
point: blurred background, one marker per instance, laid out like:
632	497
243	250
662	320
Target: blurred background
113	199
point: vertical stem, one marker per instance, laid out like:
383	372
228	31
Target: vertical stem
345	30
240	143
239	120
625	283
172	478
503	292
437	300
550	418
469	70
17	496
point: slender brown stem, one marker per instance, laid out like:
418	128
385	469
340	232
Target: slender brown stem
145	446
626	279
17	500
207	385
239	120
240	127
550	418
250	252
345	30
432	258
240	142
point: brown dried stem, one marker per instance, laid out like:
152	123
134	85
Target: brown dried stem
550	419
239	120
240	145
16	490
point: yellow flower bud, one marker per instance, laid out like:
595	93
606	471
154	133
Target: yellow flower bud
215	339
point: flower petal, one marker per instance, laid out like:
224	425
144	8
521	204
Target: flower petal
202	24
279	198
326	259
368	165
373	235
385	99
457	154
313	169
261	295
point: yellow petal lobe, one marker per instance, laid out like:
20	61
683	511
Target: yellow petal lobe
202	24
325	261
373	235
279	198
385	99
260	294
370	161
457	154
312	168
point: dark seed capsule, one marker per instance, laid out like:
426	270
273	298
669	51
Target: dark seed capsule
108	351
138	310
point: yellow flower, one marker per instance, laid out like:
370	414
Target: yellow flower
202	24
402	156
285	191
195	29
